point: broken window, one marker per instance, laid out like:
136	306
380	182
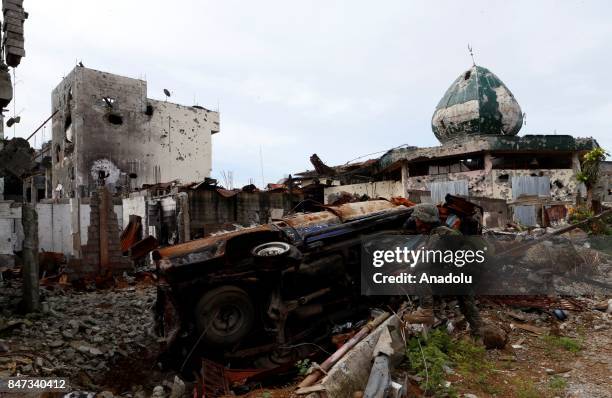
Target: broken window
532	161
503	178
558	184
115	119
58	151
68	128
67	122
446	166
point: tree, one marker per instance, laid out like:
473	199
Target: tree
590	171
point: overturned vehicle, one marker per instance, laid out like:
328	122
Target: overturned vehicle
269	294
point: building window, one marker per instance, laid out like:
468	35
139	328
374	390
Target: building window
531	161
447	166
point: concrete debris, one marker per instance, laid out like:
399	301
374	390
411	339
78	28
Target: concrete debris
379	381
93	332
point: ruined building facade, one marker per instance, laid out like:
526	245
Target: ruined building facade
531	179
106	131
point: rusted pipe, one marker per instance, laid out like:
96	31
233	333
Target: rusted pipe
316	374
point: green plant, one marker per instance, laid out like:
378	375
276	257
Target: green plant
429	358
589	172
557	384
580	213
566	343
303	365
526	389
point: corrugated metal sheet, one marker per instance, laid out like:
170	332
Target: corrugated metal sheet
530	186
439	189
525	215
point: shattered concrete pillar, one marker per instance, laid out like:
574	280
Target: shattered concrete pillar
102	253
29	220
103	227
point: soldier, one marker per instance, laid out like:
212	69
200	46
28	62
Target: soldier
425	220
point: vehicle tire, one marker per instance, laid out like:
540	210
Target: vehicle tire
224	316
272	249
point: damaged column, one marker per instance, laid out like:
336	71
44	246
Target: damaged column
102	253
29	219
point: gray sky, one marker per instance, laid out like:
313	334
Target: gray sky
339	78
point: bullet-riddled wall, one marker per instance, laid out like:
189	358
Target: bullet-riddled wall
106	127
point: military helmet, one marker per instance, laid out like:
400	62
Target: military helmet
426	212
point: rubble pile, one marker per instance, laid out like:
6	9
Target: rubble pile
80	335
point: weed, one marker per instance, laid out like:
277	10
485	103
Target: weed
567	343
303	365
429	357
557	384
526	389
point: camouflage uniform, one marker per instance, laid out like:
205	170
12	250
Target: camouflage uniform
427	213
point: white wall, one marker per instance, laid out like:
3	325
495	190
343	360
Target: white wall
137	206
182	148
57	226
55	232
11	230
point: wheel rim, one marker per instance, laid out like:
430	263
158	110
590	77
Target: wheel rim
227	319
272	249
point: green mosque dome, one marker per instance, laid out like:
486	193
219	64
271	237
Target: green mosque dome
477	103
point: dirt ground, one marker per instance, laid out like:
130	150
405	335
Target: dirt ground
571	359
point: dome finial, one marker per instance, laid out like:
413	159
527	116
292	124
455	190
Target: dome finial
471	54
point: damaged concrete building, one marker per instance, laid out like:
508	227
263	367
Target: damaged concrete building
175	213
530	178
107	131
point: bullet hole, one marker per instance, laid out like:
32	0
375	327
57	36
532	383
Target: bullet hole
115	119
558	184
467	75
149	110
503	178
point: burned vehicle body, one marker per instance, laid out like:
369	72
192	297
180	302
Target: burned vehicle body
259	292
259	289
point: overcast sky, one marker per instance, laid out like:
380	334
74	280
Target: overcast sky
338	78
